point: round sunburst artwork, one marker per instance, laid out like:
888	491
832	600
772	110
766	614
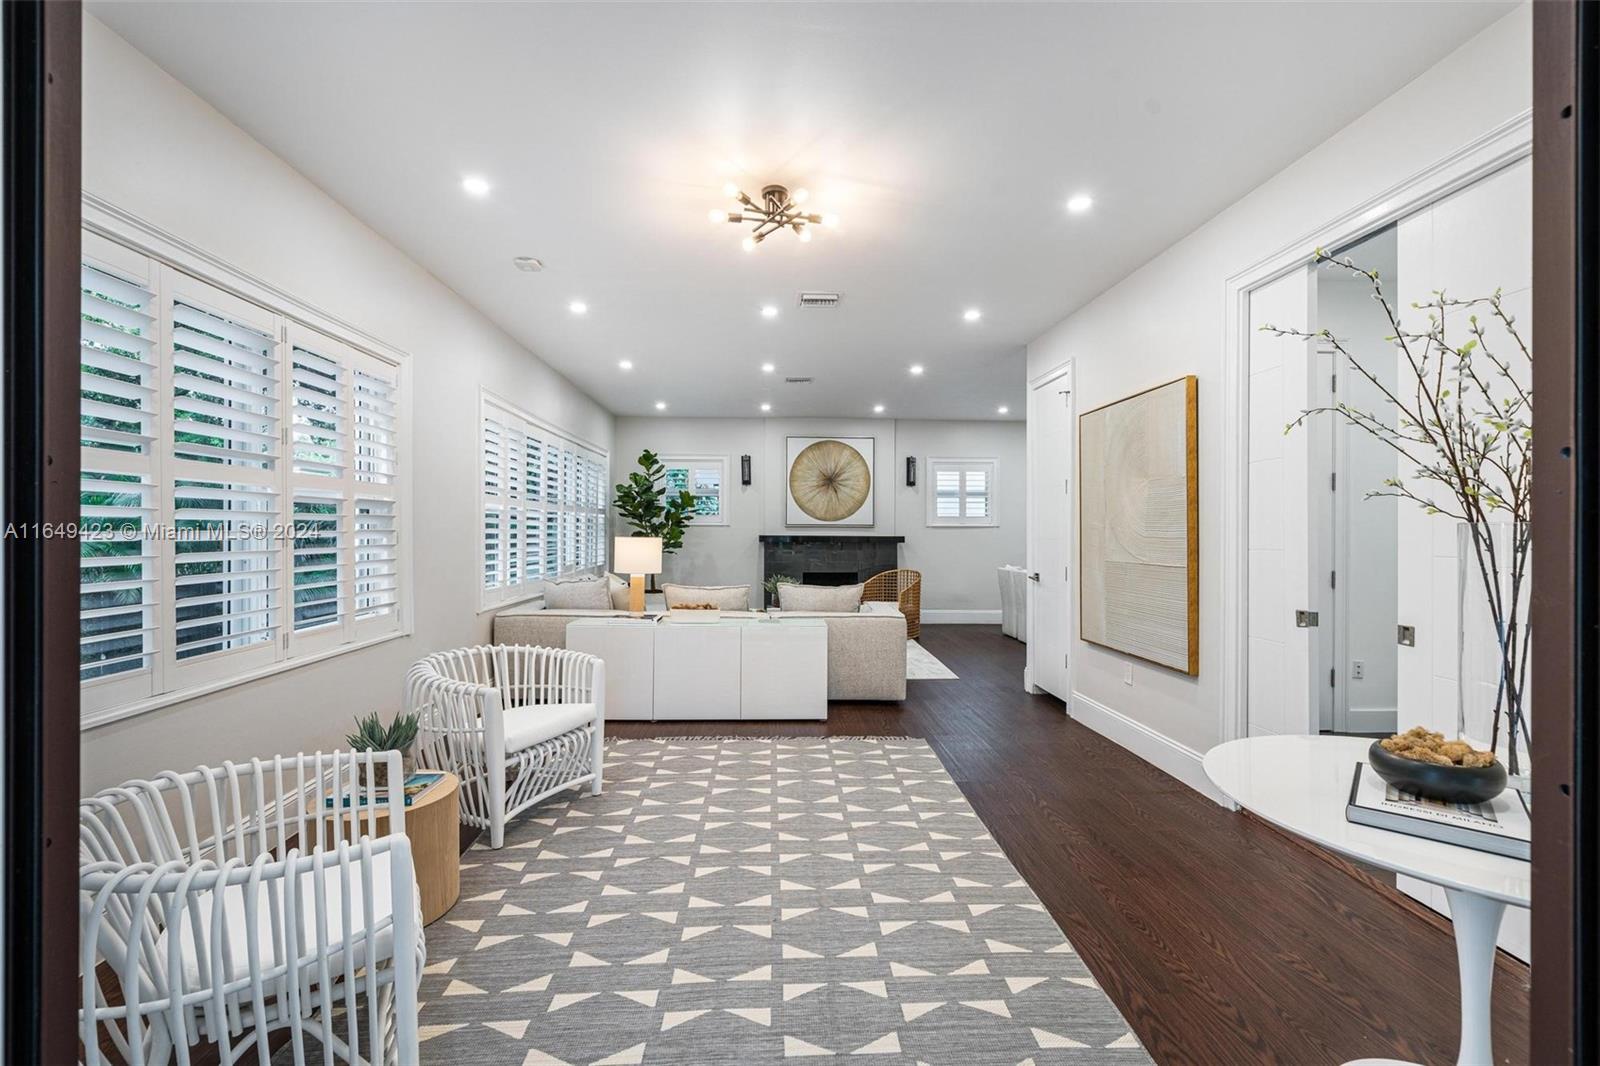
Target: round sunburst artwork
830	481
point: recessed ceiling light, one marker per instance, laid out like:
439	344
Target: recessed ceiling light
767	368
1003	409
877	408
769	311
972	314
916	369
766	407
578	307
1080	203
661	405
625	364
473	185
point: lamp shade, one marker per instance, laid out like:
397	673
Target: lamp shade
637	555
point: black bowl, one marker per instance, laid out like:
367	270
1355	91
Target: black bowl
1451	784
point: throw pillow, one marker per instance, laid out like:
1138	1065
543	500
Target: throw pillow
587	593
846	598
619	592
727	597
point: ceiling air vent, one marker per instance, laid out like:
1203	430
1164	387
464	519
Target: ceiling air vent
819	299
797	381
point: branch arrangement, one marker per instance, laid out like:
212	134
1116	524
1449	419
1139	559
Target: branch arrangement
1462	419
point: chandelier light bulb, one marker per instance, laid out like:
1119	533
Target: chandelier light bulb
730	189
830	221
800	196
717	216
748	244
805	235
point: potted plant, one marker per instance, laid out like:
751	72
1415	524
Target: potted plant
771	585
643	503
372	735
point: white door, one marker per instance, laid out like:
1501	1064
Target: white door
1283	663
1051	476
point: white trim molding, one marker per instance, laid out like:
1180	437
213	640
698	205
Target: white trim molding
958	617
1498	148
1165	754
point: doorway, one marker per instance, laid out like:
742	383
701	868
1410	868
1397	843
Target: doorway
1051	478
1357	538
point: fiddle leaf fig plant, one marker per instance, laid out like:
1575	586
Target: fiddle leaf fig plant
645	505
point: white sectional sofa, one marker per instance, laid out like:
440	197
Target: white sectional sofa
866	648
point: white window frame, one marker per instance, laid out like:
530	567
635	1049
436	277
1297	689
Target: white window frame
990	469
689	462
582	507
125	245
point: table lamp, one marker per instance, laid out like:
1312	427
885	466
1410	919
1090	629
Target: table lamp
636	556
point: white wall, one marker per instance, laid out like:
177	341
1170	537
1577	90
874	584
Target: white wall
1167	319
958	564
153	148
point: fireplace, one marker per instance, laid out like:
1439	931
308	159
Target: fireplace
827	560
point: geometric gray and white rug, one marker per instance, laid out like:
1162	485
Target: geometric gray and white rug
741	901
923	665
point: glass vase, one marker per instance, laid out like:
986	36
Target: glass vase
1493	698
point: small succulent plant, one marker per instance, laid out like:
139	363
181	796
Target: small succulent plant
372	735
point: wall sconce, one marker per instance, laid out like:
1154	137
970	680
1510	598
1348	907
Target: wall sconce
744	470
911	471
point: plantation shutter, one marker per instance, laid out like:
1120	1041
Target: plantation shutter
343	474
119	386
534	532
543	504
494	503
321	476
226	485
377	536
239	496
963	492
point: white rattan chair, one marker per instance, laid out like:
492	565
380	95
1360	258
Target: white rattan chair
226	903
516	724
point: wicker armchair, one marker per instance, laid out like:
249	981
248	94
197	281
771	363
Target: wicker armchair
902	588
534	714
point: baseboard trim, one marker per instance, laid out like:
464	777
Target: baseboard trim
1161	751
964	618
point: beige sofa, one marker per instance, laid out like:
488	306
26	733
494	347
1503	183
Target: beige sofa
866	649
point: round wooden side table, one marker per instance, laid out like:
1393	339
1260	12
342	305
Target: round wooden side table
433	825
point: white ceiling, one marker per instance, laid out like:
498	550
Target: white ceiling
946	136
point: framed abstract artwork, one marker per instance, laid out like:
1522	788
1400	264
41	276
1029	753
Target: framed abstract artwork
830	481
1138	525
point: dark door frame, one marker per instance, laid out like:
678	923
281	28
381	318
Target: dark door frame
1566	547
39	437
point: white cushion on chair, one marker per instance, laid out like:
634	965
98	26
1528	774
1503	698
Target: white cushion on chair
527	726
235	920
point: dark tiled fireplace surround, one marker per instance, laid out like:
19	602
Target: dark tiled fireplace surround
827	560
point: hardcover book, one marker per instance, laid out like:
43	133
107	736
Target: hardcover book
1501	826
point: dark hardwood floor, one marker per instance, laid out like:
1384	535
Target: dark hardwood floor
1222	940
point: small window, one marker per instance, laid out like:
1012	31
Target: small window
961	492
704	477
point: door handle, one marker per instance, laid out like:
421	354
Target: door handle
1033	576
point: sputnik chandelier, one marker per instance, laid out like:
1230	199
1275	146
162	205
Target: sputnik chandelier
779	209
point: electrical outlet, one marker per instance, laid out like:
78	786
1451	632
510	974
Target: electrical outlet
1358	670
1127	673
